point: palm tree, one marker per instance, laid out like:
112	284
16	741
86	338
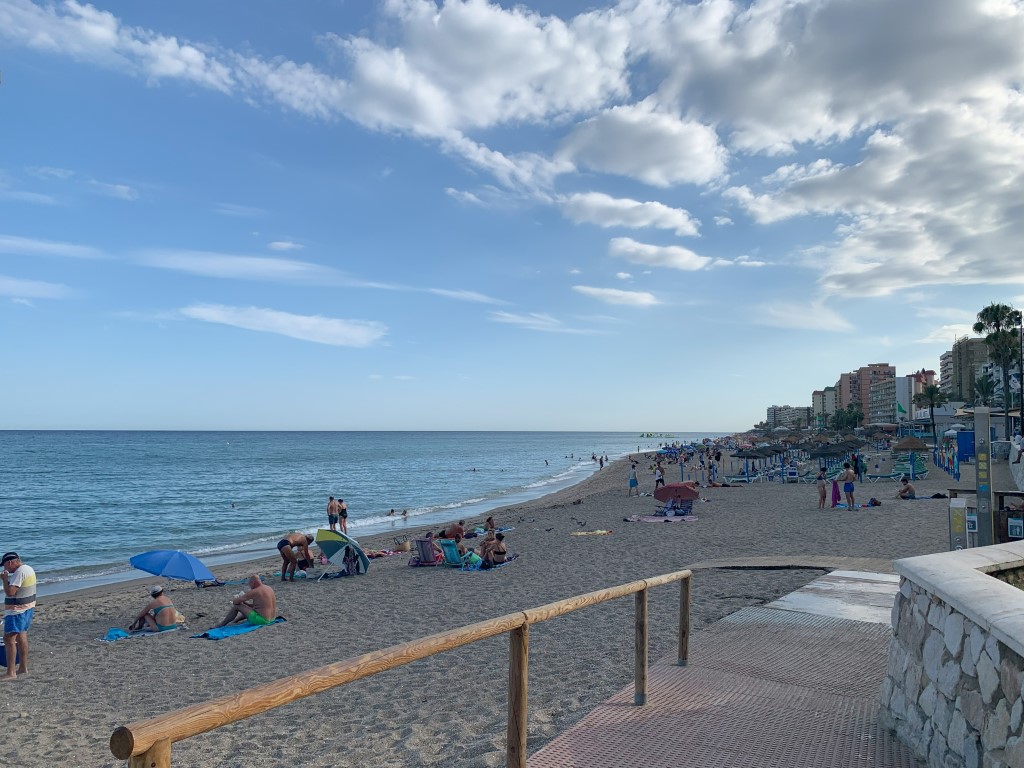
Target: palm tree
932	397
998	322
984	390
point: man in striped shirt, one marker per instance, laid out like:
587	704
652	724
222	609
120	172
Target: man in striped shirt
19	604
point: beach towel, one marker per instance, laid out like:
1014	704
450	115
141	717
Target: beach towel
660	519
598	532
115	633
509	559
219	633
835	493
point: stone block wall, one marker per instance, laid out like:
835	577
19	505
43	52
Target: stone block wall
952	691
1012	576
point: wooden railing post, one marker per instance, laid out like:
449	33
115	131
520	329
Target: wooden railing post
684	621
640	665
518	672
157	756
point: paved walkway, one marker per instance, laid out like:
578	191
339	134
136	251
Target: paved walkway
786	685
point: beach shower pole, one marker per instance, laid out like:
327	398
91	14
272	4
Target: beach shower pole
640	653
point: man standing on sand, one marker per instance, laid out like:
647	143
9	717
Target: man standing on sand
332	514
257	606
634	483
19	582
659	476
847	478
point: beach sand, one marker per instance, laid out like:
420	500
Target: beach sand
449	709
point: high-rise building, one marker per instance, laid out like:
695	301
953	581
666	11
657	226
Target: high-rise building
969	355
823	406
946	373
848	389
882	400
795	417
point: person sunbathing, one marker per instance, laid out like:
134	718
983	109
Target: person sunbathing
257	606
159	614
460	545
498	551
484	550
907	491
456	529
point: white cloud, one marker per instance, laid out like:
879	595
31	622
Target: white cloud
31	289
616	296
461	295
803	317
463	196
47	172
654	147
606	211
672	256
575	271
403	377
322	330
36	247
947	334
284	245
211	264
242	211
536	321
120	191
623	275
723	221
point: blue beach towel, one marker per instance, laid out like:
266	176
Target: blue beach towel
114	634
219	633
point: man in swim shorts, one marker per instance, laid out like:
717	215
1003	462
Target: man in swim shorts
257	606
634	484
332	514
19	582
847	478
159	614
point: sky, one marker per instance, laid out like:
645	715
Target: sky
647	215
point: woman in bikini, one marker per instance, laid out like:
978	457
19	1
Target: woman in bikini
158	615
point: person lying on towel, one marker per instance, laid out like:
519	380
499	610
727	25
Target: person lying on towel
257	606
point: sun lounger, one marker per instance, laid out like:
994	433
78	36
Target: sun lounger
425	554
894	476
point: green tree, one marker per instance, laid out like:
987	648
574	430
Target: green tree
984	390
998	322
847	418
931	397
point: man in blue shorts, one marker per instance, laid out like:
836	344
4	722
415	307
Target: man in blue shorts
19	582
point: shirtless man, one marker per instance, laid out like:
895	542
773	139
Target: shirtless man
290	561
458	530
332	513
846	478
907	491
257	606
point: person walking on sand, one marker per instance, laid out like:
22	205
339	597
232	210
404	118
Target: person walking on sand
847	478
290	562
257	606
659	477
332	514
634	483
19	582
820	482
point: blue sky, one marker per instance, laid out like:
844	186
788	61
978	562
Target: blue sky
649	215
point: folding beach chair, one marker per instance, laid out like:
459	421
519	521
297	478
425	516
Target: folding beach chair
425	554
450	549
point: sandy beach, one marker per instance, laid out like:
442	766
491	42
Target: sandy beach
449	709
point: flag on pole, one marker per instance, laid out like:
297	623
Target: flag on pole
900	408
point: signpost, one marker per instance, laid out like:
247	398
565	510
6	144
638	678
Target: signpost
983	476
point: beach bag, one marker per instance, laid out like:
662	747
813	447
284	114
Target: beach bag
403	545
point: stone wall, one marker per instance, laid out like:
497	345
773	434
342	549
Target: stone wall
1012	576
953	689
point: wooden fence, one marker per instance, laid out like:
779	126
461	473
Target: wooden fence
147	743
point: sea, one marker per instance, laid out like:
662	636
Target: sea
76	505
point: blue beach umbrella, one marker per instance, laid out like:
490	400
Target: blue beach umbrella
172	564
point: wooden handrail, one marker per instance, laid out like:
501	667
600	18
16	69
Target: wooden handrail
148	742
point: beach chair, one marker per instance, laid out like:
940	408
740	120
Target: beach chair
425	554
894	476
450	549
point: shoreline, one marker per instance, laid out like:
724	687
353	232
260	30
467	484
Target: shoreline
106	583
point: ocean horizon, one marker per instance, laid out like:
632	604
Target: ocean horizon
78	503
